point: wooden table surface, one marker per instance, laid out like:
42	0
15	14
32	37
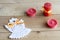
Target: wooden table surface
18	7
40	30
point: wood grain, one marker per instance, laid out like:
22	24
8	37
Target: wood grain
39	29
49	35
37	23
18	7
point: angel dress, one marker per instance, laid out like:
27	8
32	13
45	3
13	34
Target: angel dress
18	31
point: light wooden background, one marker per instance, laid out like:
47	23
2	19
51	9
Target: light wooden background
17	8
40	30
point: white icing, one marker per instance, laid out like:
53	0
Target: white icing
18	31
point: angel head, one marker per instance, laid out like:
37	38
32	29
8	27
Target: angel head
15	21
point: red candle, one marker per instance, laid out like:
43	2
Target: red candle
47	13
31	12
47	9
52	23
47	6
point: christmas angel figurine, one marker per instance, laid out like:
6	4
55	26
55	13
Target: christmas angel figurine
17	28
